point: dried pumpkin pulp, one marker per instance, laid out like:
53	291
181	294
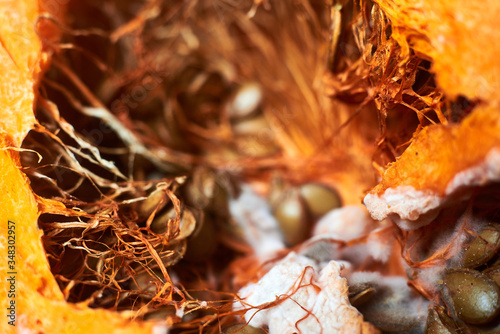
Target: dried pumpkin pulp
141	229
28	286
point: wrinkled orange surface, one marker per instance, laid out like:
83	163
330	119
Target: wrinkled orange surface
461	37
440	152
20	61
40	305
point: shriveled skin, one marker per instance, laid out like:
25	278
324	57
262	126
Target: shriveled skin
40	304
441	159
459	36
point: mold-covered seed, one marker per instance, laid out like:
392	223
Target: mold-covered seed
243	329
359	298
475	297
438	323
393	307
292	217
320	199
482	248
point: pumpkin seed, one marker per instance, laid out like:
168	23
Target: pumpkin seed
361	297
482	248
492	328
320	199
292	216
494	274
475	297
276	190
201	187
146	282
172	253
438	323
156	200
202	244
164	223
246	100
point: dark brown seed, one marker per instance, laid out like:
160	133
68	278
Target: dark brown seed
202	243
482	248
220	201
243	329
438	323
488	329
292	216
320	199
475	297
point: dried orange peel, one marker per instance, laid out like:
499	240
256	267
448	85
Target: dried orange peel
39	303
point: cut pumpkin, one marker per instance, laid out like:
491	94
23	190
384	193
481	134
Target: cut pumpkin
442	160
425	174
460	38
39	304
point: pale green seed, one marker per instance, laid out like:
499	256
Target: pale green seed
475	297
293	219
320	199
482	248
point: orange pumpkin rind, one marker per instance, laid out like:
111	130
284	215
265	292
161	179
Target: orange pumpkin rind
460	38
441	161
40	305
